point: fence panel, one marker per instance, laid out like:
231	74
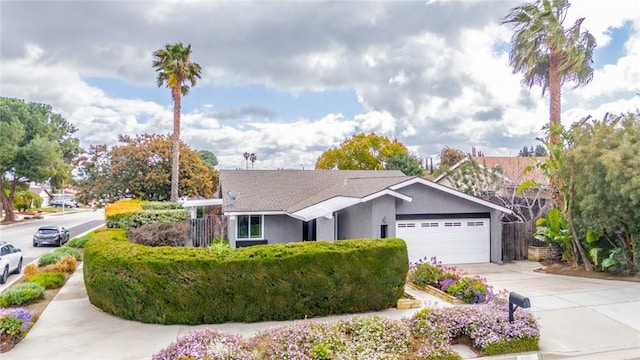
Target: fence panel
516	239
203	230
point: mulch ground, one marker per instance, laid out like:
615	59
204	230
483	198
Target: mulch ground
568	270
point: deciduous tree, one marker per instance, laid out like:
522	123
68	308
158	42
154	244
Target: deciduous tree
361	152
36	145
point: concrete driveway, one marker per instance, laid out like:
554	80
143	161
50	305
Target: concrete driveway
581	318
578	316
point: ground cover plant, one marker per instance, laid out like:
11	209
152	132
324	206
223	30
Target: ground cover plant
428	334
451	280
22	303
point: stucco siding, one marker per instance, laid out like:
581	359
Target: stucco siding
430	201
383	212
325	229
282	229
355	222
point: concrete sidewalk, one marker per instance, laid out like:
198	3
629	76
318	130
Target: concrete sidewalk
582	318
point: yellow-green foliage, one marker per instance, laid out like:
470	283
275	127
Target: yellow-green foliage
274	282
122	207
48	280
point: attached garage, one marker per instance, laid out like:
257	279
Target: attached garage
451	241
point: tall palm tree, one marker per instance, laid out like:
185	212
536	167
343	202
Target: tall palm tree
175	70
253	157
548	54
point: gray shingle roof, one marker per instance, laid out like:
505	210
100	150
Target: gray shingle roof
292	190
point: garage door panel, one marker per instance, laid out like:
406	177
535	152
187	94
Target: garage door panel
451	241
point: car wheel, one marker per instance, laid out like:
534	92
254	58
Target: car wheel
60	242
35	244
19	268
5	275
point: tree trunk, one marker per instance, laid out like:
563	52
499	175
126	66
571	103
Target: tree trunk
555	89
580	254
175	163
7	203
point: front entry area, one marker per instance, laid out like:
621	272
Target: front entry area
451	241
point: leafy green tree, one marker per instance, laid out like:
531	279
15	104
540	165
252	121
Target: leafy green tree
175	70
25	200
546	53
525	151
361	152
540	150
93	170
409	165
208	157
603	165
36	145
141	167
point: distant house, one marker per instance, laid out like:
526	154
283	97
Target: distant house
501	175
280	206
43	192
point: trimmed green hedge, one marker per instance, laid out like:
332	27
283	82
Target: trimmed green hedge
170	285
160	205
134	220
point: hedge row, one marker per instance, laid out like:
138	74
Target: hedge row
134	220
169	285
160	205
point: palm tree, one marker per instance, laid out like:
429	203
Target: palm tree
175	70
253	157
246	160
548	54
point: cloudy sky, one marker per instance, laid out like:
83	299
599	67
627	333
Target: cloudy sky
288	80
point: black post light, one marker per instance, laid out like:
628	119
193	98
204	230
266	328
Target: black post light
516	300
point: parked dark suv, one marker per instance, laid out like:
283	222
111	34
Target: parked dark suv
51	235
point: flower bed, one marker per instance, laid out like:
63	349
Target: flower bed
450	281
22	303
429	334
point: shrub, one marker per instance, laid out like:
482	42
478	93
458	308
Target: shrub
161	234
66	250
15	321
206	344
66	264
274	282
30	270
160	205
78	242
49	258
21	294
48	280
471	290
134	220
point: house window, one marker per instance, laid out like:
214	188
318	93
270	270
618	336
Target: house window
249	227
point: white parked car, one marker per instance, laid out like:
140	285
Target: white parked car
10	261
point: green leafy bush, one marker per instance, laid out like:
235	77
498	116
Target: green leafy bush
168	285
48	280
134	220
49	258
21	294
160	205
67	250
78	242
55	256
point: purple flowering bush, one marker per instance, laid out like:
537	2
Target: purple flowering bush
206	344
429	334
488	326
15	322
449	279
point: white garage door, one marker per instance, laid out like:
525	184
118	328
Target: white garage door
451	241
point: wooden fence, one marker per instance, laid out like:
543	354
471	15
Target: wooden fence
516	239
203	230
